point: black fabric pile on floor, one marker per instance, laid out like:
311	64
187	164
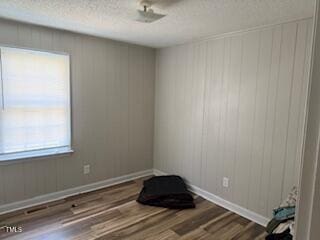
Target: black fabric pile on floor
281	226
280	236
166	191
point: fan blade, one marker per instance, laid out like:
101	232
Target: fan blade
148	17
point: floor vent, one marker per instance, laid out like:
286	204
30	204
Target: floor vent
35	210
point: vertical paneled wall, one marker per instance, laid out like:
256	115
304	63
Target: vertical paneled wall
112	113
234	107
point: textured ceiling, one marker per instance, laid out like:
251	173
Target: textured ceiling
186	19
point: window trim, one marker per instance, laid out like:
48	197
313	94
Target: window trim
8	157
47	152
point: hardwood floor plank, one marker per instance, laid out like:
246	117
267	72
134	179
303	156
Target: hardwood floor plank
166	235
251	231
144	228
223	222
197	233
196	221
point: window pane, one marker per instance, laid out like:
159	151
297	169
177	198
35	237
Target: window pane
36	101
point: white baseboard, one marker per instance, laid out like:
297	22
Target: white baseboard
246	213
71	192
113	181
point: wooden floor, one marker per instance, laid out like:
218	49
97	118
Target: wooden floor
113	213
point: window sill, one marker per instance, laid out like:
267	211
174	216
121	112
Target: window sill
12	157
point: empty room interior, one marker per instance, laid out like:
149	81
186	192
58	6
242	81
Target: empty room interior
159	119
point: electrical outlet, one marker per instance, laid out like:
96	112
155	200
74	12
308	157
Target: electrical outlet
86	169
225	182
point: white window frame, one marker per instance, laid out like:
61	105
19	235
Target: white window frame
41	153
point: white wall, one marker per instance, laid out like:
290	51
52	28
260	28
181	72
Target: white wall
234	106
112	112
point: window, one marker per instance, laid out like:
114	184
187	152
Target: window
35	103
